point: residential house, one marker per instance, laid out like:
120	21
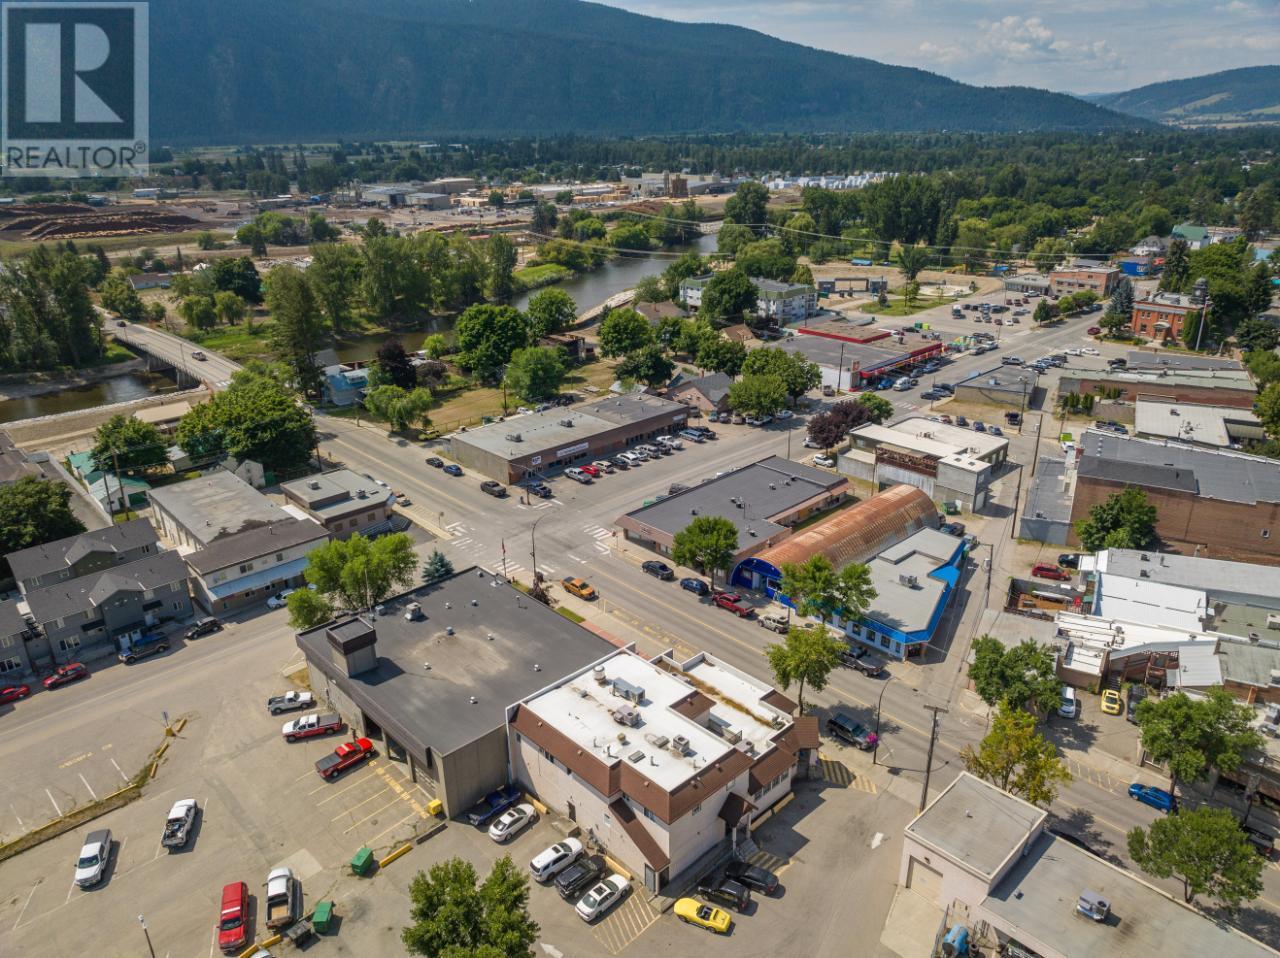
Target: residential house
343	385
246	568
707	393
83	554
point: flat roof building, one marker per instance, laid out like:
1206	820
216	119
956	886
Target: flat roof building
763	500
851	355
1203	425
1046	516
990	852
1012	387
431	675
537	443
192	514
1208	386
661	760
342	501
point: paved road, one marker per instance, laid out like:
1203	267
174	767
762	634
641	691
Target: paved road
214	370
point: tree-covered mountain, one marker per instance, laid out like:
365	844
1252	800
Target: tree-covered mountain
1247	95
242	71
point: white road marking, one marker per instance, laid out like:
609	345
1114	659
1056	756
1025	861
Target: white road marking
25	903
877	839
551	950
55	804
17	816
88	786
69	891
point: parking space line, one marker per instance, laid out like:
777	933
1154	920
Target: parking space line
88	786
350	785
374	813
404	821
123	776
24	905
69	891
16	815
358	804
55	804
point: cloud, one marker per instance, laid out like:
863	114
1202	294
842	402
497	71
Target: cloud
1021	40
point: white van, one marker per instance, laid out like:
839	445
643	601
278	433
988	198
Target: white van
902	385
1070	706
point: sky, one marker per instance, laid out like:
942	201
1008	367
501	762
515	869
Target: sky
1075	46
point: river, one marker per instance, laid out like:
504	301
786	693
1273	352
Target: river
74	398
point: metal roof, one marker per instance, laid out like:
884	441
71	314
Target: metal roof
1208	473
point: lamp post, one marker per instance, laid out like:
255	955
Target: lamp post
875	751
142	921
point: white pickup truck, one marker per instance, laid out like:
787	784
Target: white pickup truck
283	899
177	827
290	701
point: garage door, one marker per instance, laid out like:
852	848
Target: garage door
925	881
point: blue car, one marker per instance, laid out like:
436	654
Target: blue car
1157	798
696	586
452	470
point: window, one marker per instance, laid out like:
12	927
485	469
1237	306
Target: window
1266	533
653	818
279	556
369	517
69	644
177	605
697	808
7	642
247	567
10	665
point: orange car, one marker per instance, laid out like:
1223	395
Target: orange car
579	587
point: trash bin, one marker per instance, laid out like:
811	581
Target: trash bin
324	914
363	861
435	807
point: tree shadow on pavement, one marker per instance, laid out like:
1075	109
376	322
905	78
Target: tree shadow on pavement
1079	825
1255	921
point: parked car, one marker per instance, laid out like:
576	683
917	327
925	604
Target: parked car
579	587
311	725
633	458
621	462
11	693
1263	842
979	426
1157	798
860	658
344	757
203	626
725	891
290	701
602	896
659	570
1069	560
1094	330
512	822
593	471
66	674
541	490
233	918
1013	419
822	459
732	601
1069	706
491	487
435	462
280	599
551	861
842	726
1111	703
1133	697
705	432
696	586
198	354
453	469
774	623
95	854
962	422
177	827
283	904
693	912
1046	570
753	876
150	643
1089	351
577	475
995	431
579	876
495	803
1010	361
604	465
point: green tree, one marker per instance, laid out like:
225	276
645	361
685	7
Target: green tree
806	657
256	418
1015	758
119	296
128	443
880	408
198	312
334	276
34	511
1121	303
633	236
1048	253
237	275
550	311
911	293
536	372
1124	521
565	197
912	260
1257	335
544	219
727	295
708	543
455	915
1177	266
436	567
648	364
624	331
500	259
800	232
205	240
401	408
1194	736
394	364
816	589
766	258
758	395
1264	366
1206	850
686	266
299	330
721	355
488	335
747	205
358	573
229	308
798	374
1115	324
650	289
435	346
497	199
307	609
1023	677
1043	312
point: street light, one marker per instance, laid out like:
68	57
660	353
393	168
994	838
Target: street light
875	751
143	923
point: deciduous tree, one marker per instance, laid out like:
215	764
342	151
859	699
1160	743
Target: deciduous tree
1194	736
624	331
393	363
550	311
536	372
488	335
649	365
758	395
708	542
358	573
299	331
727	295
804	658
455	915
1126	520
1206	850
1015	758
128	443
34	511
1022	677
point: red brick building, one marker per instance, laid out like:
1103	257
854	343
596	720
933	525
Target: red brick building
1162	316
1073	279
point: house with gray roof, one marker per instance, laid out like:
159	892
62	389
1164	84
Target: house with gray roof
82	618
708	393
83	554
246	568
14	628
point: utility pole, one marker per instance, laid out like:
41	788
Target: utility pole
928	762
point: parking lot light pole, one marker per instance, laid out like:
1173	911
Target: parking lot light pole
147	934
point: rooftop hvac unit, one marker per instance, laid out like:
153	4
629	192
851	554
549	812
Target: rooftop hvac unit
514	437
625	715
313	484
362	494
413	612
657	741
1275	678
679	744
632	693
598	674
636	756
567	423
1273	621
910	581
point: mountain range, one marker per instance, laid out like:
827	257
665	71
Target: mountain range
249	71
1250	95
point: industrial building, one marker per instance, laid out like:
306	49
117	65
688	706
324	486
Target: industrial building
1010	387
431	674
536	443
1210	387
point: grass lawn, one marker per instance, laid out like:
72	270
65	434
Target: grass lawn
112	352
239	342
598	373
532	277
899	307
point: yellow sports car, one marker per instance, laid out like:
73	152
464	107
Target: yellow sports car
1111	702
694	912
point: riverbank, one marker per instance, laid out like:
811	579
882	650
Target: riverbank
72	431
27	385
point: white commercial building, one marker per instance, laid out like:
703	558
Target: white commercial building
660	761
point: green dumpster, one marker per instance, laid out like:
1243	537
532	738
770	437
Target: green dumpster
324	914
363	861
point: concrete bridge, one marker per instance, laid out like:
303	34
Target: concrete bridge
191	365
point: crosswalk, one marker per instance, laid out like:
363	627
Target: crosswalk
626	922
767	861
836	773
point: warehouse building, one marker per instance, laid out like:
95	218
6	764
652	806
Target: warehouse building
1210	387
430	676
537	443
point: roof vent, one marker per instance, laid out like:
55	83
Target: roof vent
1274	681
751	532
567	423
910	581
361	494
448	630
598	674
448	605
475	602
657	741
693	512
490	636
679	744
537	667
480	573
636	756
313	484
474	700
772	487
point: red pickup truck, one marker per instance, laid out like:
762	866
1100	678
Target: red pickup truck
311	725
733	602
343	757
